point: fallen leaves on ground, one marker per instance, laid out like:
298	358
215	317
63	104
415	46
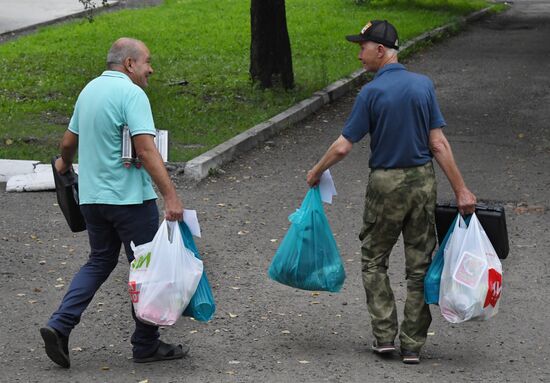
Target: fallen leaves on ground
524	208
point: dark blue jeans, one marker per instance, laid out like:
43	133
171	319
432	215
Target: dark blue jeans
108	227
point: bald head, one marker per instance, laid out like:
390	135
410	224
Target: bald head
131	57
124	48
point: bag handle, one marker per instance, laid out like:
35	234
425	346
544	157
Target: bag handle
172	231
311	201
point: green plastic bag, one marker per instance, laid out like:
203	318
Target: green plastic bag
308	258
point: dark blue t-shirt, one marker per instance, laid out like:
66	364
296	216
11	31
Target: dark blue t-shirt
398	108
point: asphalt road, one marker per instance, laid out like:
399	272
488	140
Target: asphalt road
493	85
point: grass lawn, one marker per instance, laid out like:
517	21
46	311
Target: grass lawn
201	41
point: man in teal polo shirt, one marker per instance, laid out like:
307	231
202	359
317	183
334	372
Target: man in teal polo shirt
399	110
118	203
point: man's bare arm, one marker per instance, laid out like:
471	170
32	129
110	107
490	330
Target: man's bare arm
441	149
68	148
335	153
148	154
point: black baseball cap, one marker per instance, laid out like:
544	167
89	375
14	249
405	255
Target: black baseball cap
379	31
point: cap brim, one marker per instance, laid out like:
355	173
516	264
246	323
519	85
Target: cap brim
361	38
355	38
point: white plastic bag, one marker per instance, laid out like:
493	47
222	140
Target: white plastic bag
163	276
471	281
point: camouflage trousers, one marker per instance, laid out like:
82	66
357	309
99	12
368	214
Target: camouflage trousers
398	201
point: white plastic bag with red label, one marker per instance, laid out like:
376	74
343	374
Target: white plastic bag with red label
471	281
163	276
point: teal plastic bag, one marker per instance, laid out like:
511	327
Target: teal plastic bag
432	280
308	258
202	305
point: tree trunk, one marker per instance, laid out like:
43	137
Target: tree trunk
270	55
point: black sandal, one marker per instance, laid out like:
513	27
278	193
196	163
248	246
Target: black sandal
165	351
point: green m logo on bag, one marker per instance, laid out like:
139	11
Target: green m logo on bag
138	263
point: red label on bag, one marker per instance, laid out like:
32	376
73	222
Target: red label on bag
134	292
495	288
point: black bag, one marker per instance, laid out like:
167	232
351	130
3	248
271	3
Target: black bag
492	219
66	188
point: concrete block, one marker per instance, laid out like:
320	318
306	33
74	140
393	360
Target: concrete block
39	178
9	168
297	112
199	167
31	182
323	95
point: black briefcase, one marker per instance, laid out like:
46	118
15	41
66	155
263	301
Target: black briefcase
66	188
492	218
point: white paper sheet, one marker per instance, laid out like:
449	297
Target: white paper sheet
326	187
191	220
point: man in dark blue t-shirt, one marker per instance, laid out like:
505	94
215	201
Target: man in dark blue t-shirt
399	110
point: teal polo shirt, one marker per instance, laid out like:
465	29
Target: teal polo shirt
104	106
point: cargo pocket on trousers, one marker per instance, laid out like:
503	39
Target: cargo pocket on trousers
369	216
430	216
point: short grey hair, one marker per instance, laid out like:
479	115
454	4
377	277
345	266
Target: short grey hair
123	48
391	52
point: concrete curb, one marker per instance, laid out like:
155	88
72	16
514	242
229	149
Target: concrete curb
200	167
